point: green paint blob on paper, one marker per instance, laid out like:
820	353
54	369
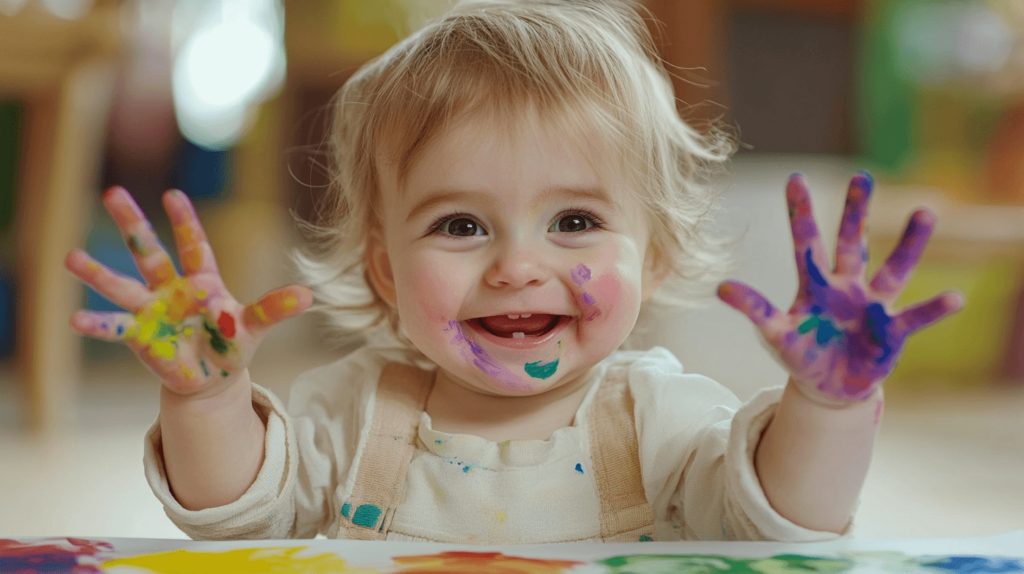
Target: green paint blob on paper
540	369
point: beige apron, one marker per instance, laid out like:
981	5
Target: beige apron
401	397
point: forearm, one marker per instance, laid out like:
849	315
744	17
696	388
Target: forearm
812	459
212	446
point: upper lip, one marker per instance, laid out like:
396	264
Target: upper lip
520	313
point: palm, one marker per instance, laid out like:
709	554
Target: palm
189	330
840	338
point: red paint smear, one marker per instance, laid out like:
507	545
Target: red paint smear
480	563
227	324
36	558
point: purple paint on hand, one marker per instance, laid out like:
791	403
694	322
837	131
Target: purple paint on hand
580	274
838	340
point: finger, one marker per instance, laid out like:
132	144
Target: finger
806	239
851	249
119	289
277	306
751	303
104	325
193	248
150	256
929	312
893	276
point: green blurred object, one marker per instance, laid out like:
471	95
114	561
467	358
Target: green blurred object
967	348
10	146
886	99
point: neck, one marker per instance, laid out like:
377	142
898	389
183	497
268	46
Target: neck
458	409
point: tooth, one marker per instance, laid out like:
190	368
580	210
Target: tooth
513	316
518	335
526	315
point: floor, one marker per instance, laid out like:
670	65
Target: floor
946	464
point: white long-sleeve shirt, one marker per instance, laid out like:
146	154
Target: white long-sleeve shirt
696	448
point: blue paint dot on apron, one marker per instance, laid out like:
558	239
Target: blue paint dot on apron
366	515
579	467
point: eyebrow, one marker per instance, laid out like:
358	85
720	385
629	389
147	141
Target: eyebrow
598	194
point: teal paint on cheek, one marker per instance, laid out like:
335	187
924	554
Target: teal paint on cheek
541	370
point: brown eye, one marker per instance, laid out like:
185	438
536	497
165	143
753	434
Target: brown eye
462	227
572	224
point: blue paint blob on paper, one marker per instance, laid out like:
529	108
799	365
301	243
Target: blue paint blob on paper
540	369
367	516
977	564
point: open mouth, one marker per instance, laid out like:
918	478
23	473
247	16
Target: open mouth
524	326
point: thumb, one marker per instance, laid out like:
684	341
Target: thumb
276	306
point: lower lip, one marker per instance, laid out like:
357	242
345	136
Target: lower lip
525	343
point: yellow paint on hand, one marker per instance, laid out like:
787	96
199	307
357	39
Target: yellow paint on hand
260	313
188	373
241	561
187	331
163	349
289	302
147	329
201	294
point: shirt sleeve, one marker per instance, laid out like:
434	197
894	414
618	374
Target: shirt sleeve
697	443
308	451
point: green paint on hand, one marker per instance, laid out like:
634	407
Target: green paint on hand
135	245
807	325
217	341
223	373
541	370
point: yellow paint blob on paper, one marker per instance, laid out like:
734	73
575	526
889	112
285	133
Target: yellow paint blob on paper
241	561
163	349
481	563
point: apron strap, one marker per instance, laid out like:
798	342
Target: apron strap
626	516
401	397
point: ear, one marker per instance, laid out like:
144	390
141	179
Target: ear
378	269
654	274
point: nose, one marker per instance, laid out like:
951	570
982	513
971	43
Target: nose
517	265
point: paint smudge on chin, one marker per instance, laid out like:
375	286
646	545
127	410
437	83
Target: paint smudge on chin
475	354
580	274
481	563
540	369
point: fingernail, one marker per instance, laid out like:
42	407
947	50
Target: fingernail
866	175
795	175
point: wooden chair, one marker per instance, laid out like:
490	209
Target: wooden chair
63	72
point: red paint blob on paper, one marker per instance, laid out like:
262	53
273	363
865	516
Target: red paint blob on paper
227	324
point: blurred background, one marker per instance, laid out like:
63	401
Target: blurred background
226	100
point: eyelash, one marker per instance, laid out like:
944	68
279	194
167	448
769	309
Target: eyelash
596	221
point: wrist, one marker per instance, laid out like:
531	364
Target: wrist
226	394
830	403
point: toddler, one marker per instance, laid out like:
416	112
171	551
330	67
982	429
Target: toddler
511	184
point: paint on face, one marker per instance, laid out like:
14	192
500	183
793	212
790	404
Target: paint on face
240	561
481	563
580	274
540	369
72	555
476	355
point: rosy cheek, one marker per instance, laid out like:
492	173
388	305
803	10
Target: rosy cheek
429	295
599	296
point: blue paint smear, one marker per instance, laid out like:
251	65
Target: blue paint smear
826	330
877	322
813	271
579	467
976	564
346	509
541	370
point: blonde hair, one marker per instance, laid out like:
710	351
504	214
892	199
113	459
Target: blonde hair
587	62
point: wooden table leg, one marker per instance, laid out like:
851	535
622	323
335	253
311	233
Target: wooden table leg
65	130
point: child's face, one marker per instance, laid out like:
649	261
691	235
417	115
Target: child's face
513	265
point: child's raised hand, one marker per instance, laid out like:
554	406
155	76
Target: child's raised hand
841	337
187	329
